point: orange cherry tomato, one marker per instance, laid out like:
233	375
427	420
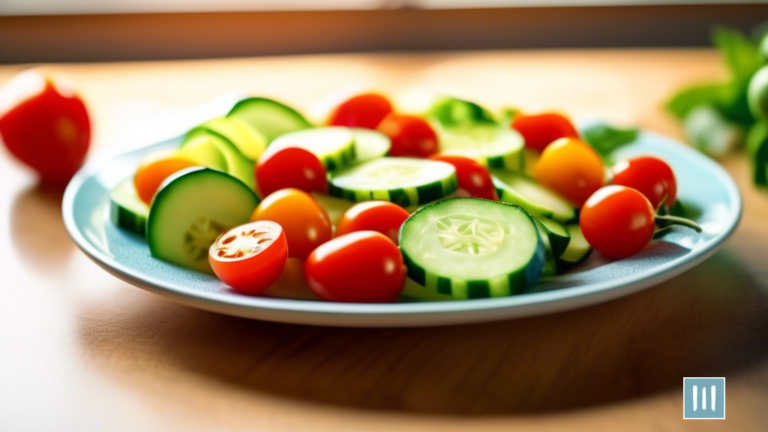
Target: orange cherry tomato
45	125
411	136
306	224
251	257
361	267
571	168
617	221
542	129
381	216
365	111
153	172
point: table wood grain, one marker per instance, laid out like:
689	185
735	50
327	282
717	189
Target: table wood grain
83	351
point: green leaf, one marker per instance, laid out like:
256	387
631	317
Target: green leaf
740	53
683	102
606	138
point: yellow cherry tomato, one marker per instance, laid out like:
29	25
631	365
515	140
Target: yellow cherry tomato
305	223
571	168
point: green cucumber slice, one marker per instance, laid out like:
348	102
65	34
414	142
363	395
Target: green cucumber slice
126	209
472	248
578	250
269	117
370	144
206	153
333	145
562	210
403	181
191	209
550	266
509	195
334	207
238	165
450	111
559	237
250	142
491	146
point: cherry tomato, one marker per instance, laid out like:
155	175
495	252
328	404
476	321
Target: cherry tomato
306	224
251	257
411	136
617	221
45	125
365	110
154	170
291	167
541	129
474	179
649	175
571	168
380	216
361	267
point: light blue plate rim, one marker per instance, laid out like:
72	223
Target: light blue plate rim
301	311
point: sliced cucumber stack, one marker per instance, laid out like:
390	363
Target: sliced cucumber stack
562	210
578	250
509	195
472	248
450	111
237	165
333	145
126	209
491	146
269	117
558	235
191	209
370	144
403	181
250	142
550	265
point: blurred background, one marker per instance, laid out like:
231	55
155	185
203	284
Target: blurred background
108	30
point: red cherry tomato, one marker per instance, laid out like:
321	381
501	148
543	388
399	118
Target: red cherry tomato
649	175
45	125
361	267
365	111
251	257
291	167
474	179
541	129
380	216
306	224
617	221
571	168
411	136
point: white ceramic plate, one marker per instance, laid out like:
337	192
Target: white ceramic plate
702	184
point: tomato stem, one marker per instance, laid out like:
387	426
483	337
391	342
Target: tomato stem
668	220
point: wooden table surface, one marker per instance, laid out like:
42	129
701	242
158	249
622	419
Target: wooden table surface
82	351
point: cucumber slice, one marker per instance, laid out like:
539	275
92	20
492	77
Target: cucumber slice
450	111
550	266
562	210
472	248
559	237
757	146
403	181
578	250
191	209
269	117
509	195
370	144
334	207
127	210
205	153
491	146
250	142
238	165
333	145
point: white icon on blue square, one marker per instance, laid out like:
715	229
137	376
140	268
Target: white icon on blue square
704	398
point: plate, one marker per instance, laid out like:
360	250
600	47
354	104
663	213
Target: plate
702	185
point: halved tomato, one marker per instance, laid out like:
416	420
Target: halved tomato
251	257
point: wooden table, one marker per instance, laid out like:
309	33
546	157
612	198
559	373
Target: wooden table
83	351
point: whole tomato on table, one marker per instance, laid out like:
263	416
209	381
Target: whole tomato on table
45	125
